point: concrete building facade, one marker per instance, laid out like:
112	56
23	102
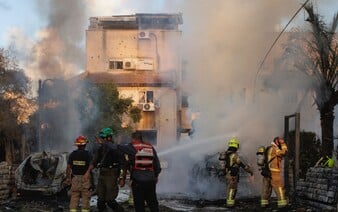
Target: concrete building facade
141	54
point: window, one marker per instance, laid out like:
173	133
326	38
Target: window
150	97
115	64
146	97
185	102
142	97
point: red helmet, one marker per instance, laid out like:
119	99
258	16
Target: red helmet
81	140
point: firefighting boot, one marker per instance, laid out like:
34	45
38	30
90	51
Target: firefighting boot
230	201
264	203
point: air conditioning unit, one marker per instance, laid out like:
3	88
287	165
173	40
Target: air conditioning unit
129	64
143	35
148	107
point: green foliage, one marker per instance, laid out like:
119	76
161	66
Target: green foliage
110	109
135	114
310	150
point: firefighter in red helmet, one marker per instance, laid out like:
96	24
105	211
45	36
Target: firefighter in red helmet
78	163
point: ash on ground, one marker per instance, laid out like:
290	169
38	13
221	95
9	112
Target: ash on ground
168	203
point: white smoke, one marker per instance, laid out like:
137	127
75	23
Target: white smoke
223	43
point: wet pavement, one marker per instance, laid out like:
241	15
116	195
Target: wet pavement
36	203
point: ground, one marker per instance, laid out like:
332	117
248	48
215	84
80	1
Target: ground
36	203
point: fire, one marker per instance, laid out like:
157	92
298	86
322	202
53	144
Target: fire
21	106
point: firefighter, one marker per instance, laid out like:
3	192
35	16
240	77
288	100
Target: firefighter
272	178
144	169
109	161
78	163
230	161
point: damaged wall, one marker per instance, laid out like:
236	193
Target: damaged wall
5	181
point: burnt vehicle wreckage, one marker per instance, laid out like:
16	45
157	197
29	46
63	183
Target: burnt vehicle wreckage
43	172
209	171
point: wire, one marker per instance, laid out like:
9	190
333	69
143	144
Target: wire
273	44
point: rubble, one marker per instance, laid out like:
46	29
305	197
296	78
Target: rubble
4	181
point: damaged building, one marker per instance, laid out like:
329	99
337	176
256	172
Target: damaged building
141	54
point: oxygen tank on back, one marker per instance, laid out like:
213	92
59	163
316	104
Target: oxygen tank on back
222	160
260	156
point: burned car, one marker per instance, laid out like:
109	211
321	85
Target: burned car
43	172
208	178
209	167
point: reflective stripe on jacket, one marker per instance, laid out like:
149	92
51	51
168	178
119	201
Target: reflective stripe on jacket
144	156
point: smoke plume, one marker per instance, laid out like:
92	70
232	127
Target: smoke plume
223	43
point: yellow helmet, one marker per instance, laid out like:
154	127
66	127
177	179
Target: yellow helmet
233	142
260	150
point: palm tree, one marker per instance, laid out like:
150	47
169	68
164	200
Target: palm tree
322	55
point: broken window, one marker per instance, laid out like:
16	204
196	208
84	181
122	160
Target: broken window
115	64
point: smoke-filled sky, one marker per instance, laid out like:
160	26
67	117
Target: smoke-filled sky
224	43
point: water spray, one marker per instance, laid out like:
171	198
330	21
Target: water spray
194	144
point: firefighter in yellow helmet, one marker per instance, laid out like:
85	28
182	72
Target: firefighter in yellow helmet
230	161
78	163
272	178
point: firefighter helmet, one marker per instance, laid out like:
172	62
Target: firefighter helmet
81	140
233	142
260	150
106	132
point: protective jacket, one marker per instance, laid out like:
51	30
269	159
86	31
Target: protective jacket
79	161
108	156
144	156
144	163
275	155
232	165
274	181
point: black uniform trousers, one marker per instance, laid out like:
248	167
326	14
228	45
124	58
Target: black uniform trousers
144	192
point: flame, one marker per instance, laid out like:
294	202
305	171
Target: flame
21	106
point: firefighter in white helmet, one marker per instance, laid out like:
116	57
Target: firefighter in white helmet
231	162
